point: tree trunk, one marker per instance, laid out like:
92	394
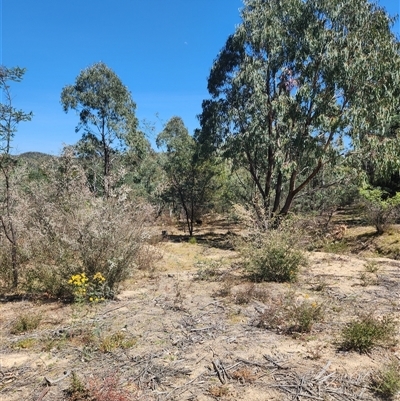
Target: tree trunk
14	264
7	223
106	160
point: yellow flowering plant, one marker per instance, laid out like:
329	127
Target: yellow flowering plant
92	290
79	283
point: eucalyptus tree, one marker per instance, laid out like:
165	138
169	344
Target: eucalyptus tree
106	114
191	177
10	117
295	79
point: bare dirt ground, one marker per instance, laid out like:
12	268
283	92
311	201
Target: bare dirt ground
191	331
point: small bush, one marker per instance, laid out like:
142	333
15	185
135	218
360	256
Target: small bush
225	289
273	255
26	322
244	295
219	391
380	209
367	279
304	315
114	341
386	383
249	292
77	390
208	270
367	332
93	290
371	266
290	315
192	240
244	375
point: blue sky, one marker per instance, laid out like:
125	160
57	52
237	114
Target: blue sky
162	50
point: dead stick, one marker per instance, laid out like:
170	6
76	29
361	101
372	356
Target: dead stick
268	358
43	393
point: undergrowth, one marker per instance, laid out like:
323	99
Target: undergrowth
368	332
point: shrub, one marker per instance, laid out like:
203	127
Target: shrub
116	340
25	343
386	383
74	231
367	332
371	266
25	322
248	292
77	390
304	314
192	241
273	255
92	290
210	270
290	315
380	208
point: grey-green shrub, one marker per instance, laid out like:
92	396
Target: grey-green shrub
274	255
386	382
68	229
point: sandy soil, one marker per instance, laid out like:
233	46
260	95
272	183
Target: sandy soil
191	331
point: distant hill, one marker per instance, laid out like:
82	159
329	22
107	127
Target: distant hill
35	155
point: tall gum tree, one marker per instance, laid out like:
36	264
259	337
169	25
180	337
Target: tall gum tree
106	112
295	79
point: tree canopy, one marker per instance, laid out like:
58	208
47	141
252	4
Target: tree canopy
295	79
106	112
191	177
10	117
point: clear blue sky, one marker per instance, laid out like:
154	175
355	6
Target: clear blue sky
162	50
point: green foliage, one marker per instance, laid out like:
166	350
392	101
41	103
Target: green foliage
386	382
368	332
330	190
304	315
273	255
294	79
381	209
91	290
77	390
10	117
114	341
191	177
107	115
